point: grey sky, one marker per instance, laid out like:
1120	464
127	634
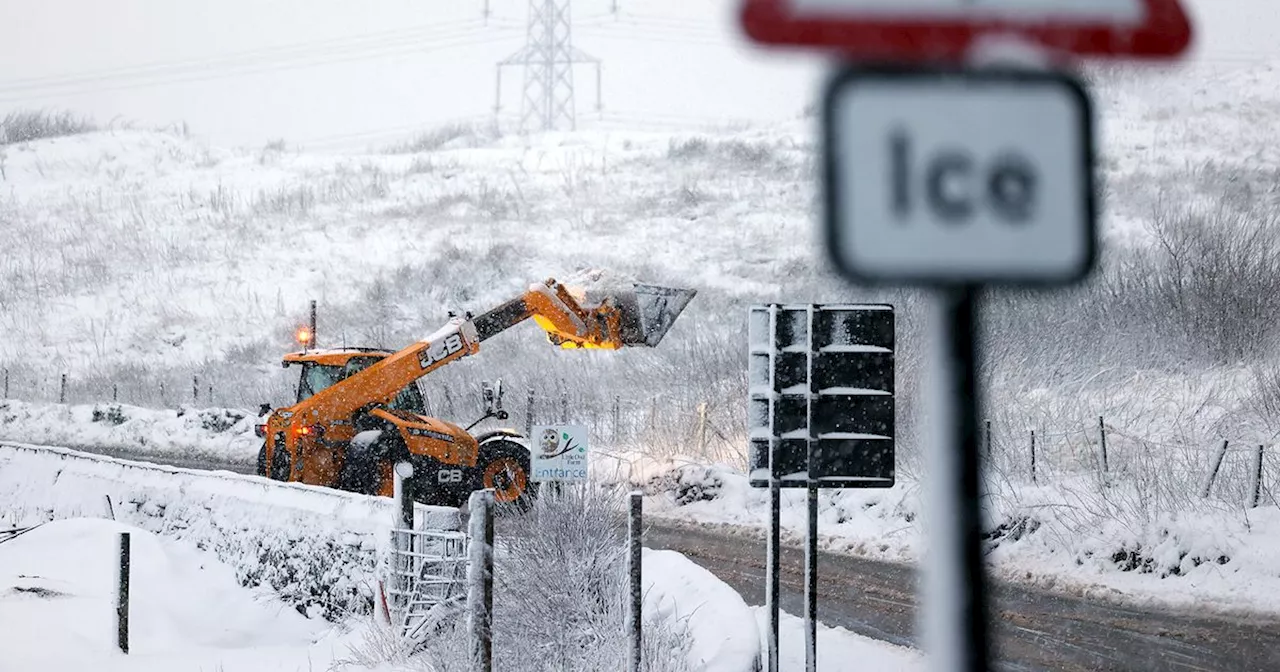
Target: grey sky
349	71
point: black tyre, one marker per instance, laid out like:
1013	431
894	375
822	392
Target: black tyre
504	466
262	460
362	466
281	463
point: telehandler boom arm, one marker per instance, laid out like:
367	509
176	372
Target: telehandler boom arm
636	318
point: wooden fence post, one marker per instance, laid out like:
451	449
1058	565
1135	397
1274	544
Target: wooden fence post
1102	435
1213	473
62	390
528	415
480	578
1033	457
702	428
617	416
122	595
1257	478
635	620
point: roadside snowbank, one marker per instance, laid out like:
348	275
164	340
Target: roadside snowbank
838	649
186	611
219	435
718	620
318	548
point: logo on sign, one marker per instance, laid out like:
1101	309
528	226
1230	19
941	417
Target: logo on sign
559	453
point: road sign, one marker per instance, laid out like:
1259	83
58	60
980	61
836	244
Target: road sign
959	177
821	401
944	30
558	453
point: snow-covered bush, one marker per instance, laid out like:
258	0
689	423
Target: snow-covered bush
561	588
560	598
28	125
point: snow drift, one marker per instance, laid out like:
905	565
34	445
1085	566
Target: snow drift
57	601
317	548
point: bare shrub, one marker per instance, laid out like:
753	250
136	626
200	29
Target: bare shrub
28	125
561	572
436	138
1215	274
298	200
734	151
560	599
688	148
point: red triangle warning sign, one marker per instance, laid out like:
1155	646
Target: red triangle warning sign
944	30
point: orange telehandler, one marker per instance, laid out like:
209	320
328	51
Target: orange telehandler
359	411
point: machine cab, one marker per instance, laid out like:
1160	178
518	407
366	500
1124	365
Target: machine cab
322	368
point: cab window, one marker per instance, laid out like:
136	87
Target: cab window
316	377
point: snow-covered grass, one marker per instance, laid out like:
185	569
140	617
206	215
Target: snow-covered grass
318	548
218	435
187	610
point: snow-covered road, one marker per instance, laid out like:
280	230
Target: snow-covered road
1034	630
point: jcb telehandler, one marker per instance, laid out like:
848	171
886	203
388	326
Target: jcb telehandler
359	411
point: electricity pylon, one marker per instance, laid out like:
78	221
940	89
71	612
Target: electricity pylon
548	57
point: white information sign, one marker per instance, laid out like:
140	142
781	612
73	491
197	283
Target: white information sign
559	452
959	177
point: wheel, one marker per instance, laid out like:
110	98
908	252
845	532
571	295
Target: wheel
262	460
281	463
504	466
361	466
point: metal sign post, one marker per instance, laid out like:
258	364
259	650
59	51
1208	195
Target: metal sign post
821	415
953	179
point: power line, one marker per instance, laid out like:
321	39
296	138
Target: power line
215	69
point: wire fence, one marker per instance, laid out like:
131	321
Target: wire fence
1166	471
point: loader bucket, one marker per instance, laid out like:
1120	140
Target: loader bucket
648	311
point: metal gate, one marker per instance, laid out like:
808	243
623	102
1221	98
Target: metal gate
426	580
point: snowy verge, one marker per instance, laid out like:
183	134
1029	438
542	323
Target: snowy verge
1064	537
837	648
186	610
221	435
719	622
318	548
